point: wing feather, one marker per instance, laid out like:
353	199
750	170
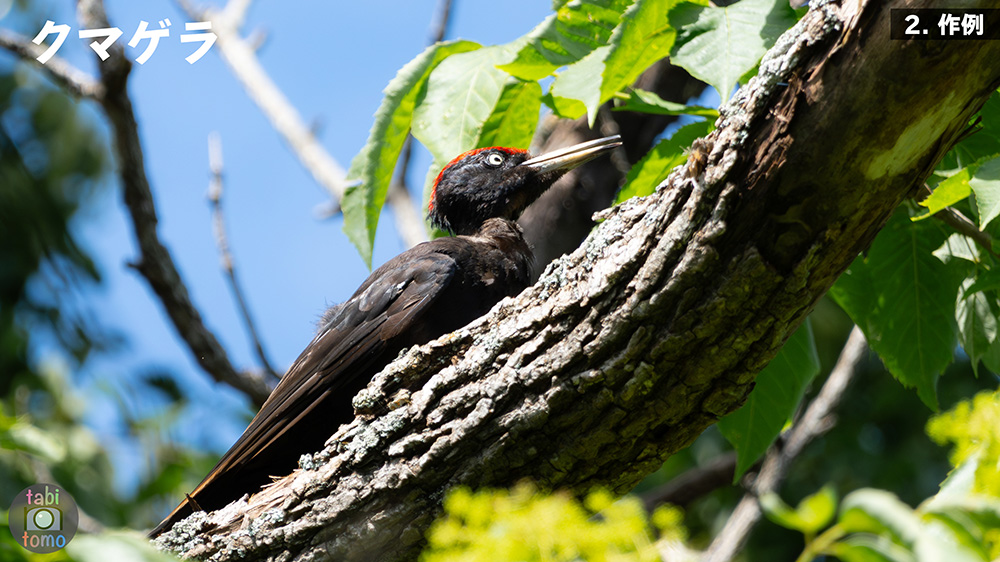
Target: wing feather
353	337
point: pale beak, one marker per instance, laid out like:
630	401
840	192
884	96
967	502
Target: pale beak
572	156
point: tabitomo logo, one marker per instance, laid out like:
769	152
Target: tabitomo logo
43	518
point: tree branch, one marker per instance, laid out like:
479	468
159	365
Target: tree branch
693	483
155	262
241	58
442	22
815	422
627	349
411	227
75	81
222	241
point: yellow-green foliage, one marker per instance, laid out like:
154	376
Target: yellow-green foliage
974	428
525	525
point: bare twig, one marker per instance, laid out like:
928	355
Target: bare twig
242	59
816	421
225	256
694	483
75	81
411	227
155	262
442	22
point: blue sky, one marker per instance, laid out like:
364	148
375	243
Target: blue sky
332	60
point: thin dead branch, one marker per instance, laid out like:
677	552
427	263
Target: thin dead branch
817	420
74	81
225	256
155	262
241	57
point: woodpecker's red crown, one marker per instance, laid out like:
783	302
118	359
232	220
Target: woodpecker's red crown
467	154
500	182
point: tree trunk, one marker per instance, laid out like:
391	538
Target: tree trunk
626	350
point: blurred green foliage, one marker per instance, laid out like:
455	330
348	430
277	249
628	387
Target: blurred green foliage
53	163
959	522
877	442
104	546
49	165
973	427
526	525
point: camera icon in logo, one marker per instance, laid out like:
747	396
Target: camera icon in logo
42	519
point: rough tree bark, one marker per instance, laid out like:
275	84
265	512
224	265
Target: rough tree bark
626	350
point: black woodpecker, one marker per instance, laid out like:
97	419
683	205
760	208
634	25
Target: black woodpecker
425	292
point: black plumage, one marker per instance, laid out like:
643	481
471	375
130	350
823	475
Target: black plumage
425	292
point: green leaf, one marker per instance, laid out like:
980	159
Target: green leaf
26	437
977	516
976	313
528	525
642	38
576	29
816	511
719	45
515	116
115	546
971	426
985	183
648	102
903	298
656	165
779	388
813	513
870	548
967	517
958	247
512	123
459	97
875	511
778	511
984	509
940	540
950	191
958	184
373	166
986	280
960	481
577	89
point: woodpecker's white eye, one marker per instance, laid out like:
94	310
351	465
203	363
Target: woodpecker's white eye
494	159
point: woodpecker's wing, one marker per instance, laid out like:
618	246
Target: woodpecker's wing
354	334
